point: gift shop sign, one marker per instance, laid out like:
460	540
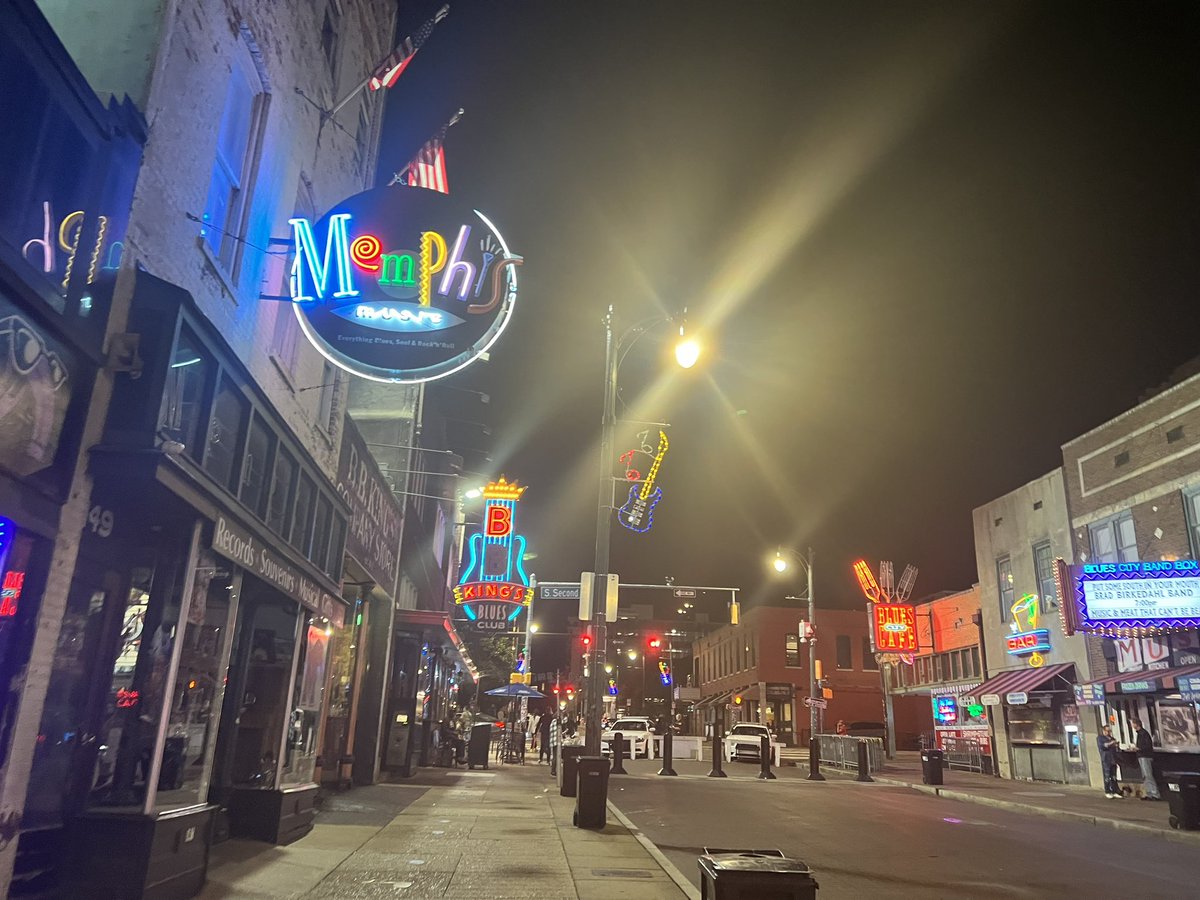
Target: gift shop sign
402	284
239	545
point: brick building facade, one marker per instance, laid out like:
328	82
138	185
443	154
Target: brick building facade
762	661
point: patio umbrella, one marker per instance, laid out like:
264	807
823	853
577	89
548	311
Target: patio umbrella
514	690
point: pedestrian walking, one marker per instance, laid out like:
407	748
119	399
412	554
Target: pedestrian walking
841	727
1107	745
1145	758
544	736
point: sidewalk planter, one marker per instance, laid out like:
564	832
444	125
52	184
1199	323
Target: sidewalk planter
752	874
1183	796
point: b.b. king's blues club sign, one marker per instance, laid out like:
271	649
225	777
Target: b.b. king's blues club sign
402	285
493	587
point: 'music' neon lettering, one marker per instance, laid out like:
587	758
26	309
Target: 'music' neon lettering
337	245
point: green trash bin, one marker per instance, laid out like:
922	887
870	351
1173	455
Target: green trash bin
753	875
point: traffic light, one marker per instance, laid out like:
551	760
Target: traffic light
654	642
585	641
737	699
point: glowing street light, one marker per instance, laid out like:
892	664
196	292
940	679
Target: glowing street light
687	351
632	655
473	493
533	628
780	563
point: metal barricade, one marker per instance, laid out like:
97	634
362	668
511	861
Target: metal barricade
841	750
965	754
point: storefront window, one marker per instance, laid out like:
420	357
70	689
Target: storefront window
342	655
225	433
337	538
126	766
282	486
199	687
270	627
260	445
1033	724
1179	726
184	398
300	753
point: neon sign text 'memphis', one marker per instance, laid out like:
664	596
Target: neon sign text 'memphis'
400	273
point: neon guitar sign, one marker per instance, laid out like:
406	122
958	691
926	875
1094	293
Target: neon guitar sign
637	514
495	568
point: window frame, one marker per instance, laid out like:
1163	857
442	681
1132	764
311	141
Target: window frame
837	653
1191	509
1046	601
1113	524
870	664
224	241
1006	603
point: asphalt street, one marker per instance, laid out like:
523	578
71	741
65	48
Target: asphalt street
874	840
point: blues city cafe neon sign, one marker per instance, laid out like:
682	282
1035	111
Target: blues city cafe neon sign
493	572
1132	598
402	284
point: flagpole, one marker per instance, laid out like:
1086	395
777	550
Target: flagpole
398	177
337	107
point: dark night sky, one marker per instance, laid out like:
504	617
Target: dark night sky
929	243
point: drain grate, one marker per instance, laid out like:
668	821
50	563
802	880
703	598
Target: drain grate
622	873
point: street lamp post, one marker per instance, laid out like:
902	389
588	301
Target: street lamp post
814	756
687	352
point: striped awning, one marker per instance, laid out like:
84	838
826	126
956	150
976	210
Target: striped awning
1145	682
1027	680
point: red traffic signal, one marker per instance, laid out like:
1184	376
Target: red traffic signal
654	642
586	640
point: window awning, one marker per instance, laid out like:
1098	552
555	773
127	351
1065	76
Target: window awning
1145	682
714	699
1024	681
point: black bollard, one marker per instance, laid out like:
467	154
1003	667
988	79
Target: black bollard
814	760
764	760
864	767
618	749
718	728
668	753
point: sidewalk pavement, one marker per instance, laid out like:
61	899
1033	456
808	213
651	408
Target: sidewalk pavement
500	833
1059	801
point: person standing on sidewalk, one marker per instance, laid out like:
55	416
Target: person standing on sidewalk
1145	758
1108	763
544	736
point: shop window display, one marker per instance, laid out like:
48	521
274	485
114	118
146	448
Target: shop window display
270	627
199	687
300	751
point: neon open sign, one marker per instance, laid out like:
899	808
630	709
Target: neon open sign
401	285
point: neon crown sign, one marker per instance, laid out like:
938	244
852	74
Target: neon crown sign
400	285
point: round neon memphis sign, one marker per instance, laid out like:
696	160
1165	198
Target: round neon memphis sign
402	284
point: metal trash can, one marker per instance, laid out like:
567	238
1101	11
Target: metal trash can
931	766
568	771
591	798
1183	796
753	875
479	745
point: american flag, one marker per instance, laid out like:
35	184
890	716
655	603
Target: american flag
389	71
428	167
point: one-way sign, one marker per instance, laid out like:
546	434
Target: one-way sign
818	703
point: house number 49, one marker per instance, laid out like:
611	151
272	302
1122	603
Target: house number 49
100	521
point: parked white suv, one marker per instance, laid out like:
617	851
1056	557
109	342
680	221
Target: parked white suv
637	732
